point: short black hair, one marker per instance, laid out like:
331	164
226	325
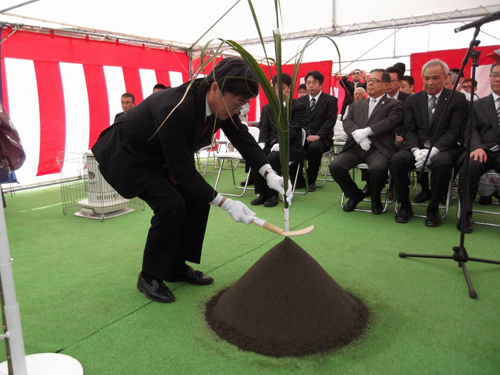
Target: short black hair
160	86
235	76
129	95
401	66
302	86
493	66
469	80
316	75
385	76
285	78
393	69
409	79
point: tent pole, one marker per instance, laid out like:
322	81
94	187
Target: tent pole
17	6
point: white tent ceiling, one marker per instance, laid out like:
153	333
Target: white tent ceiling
395	28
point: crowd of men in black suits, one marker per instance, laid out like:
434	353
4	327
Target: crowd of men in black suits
395	130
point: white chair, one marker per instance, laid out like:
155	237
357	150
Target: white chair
386	200
444	208
233	157
491	172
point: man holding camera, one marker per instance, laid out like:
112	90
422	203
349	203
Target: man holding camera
350	86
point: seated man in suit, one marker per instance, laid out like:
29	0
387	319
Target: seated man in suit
370	126
321	120
268	140
149	153
485	143
407	85
422	114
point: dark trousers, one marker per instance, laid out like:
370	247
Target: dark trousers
314	152
260	182
476	170
404	161
378	165
177	229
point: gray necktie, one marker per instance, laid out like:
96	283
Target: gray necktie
313	103
432	105
371	106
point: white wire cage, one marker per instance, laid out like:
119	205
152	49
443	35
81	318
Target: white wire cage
86	193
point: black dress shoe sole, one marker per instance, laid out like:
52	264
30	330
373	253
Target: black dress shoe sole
169	300
401	220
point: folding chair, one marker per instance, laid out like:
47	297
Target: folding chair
445	208
386	200
233	157
491	172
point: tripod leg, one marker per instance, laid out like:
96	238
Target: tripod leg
472	292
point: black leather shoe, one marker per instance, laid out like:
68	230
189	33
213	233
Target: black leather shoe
468	227
311	188
367	190
261	199
191	276
156	291
377	207
271	201
486	201
432	219
353	201
404	214
424	196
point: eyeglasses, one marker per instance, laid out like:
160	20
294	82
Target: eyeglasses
495	75
466	86
373	80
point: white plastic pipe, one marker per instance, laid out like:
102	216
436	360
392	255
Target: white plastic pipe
12	314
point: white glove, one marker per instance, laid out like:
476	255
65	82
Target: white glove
361	134
365	144
262	145
276	147
238	211
416	153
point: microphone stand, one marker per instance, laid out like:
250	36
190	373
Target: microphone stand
460	254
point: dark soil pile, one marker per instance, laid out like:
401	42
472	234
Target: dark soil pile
286	305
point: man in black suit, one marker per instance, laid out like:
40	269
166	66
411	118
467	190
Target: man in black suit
149	153
350	86
268	140
485	143
422	113
321	121
369	126
128	102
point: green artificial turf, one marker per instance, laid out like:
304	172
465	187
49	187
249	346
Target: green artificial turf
75	281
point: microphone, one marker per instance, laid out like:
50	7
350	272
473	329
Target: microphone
492	17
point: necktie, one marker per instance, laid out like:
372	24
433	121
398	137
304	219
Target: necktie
432	105
371	106
207	125
313	103
498	111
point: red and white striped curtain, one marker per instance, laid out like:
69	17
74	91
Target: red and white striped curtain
61	92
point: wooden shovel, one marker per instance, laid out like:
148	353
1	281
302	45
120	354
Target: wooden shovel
274	228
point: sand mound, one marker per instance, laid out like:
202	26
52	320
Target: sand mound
286	305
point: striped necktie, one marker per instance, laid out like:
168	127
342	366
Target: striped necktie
313	103
498	110
432	105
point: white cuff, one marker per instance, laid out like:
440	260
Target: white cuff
217	200
265	168
369	132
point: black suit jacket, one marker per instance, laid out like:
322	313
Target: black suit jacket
385	117
134	151
268	134
485	132
321	120
417	129
402	98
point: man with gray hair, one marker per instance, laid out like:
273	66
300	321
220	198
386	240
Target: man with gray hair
423	112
